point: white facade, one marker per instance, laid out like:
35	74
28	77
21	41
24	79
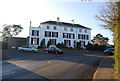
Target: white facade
59	32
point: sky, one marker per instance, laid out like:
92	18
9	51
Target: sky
37	11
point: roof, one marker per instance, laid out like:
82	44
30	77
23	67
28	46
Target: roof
65	24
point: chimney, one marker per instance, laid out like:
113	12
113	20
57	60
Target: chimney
72	21
30	23
58	19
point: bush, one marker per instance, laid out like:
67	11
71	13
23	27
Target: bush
102	48
89	46
39	46
42	44
61	45
96	47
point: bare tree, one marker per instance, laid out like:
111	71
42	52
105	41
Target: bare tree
108	15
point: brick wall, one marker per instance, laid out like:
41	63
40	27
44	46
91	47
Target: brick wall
15	42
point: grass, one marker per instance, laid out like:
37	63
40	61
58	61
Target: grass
72	49
65	49
41	49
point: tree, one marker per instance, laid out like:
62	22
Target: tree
48	43
11	30
110	16
100	39
42	44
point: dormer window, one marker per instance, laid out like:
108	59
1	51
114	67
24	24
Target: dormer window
65	29
85	31
71	29
47	27
80	30
55	28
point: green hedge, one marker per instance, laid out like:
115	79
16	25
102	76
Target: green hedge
117	44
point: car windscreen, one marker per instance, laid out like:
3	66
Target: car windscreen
110	49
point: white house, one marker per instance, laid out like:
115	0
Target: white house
59	32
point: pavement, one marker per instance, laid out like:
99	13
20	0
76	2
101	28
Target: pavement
105	70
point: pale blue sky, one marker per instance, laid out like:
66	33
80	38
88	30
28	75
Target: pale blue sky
24	11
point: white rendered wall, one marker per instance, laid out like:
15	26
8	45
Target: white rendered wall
60	30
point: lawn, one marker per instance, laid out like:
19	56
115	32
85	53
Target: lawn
66	49
72	49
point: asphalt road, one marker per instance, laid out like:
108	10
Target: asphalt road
70	65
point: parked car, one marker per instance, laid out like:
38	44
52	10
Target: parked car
27	48
53	50
109	51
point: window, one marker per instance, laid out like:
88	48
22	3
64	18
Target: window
85	31
67	43
35	41
73	36
47	34
83	36
80	36
35	33
54	34
80	30
55	28
87	37
65	29
65	35
52	41
84	43
51	34
69	35
71	29
47	27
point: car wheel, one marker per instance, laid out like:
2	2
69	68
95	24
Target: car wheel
105	53
56	52
21	50
33	51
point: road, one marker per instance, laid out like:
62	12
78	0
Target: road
70	65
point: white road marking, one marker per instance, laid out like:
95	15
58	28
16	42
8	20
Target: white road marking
7	74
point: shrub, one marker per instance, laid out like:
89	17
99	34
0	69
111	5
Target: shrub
60	45
39	46
42	44
89	46
96	47
102	48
